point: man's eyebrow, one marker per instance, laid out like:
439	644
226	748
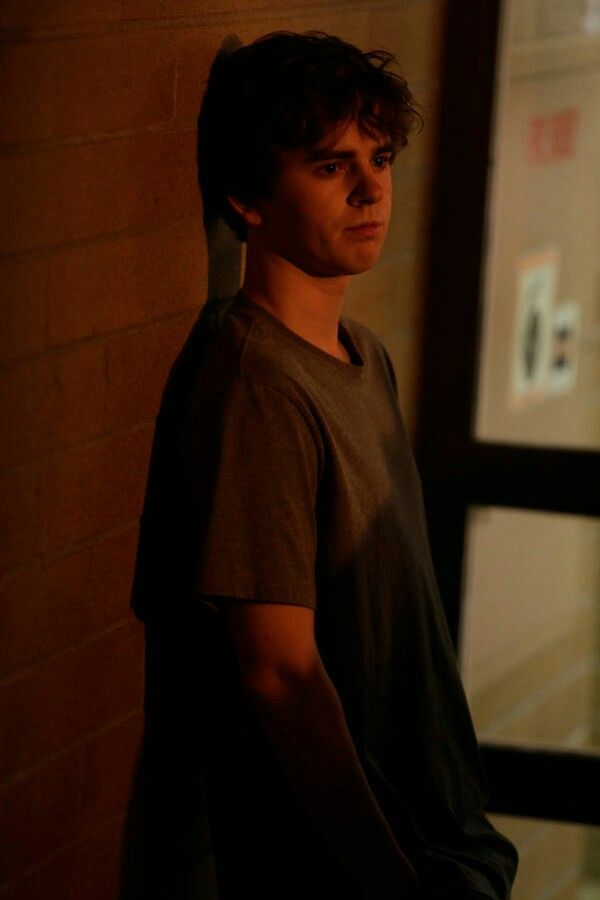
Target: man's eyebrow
320	153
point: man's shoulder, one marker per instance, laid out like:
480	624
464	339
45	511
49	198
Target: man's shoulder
228	348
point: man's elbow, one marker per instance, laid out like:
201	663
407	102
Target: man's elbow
273	685
276	648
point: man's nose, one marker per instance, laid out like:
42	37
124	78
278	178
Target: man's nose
367	189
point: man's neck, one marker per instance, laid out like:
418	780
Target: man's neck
307	304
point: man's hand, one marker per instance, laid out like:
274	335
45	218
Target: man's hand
300	709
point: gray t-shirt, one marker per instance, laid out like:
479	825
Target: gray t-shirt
282	474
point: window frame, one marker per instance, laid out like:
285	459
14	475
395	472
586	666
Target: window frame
457	470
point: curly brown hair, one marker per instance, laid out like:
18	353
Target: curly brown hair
283	91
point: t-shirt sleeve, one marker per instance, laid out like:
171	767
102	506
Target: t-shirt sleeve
254	475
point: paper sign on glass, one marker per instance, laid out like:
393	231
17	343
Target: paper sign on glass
536	287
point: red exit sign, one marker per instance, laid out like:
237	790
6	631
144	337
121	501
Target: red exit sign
552	137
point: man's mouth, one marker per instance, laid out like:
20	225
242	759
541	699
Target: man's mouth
367	229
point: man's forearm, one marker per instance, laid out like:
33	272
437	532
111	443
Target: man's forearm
306	724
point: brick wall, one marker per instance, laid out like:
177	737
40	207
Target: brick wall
104	266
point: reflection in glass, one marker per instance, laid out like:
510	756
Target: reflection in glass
557	860
530	632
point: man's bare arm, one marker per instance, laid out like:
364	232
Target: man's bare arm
301	712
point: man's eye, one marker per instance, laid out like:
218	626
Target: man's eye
382	161
331	168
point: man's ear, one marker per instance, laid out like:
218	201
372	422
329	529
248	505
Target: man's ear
250	214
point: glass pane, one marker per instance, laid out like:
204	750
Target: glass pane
557	861
530	632
539	368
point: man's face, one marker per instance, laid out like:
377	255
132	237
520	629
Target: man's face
321	195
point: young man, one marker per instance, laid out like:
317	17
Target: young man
305	715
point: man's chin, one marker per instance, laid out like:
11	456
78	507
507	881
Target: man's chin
358	266
346	265
365	267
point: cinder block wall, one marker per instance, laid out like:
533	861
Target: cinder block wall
103	269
